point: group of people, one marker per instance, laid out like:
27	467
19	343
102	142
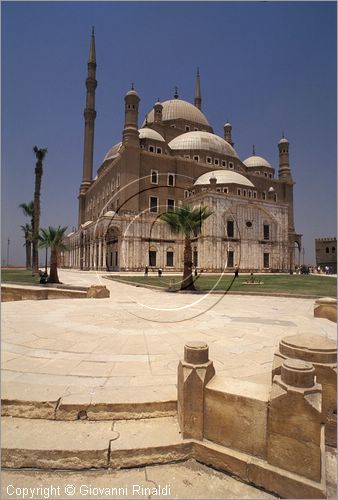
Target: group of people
159	271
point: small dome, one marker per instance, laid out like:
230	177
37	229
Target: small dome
256	161
113	152
224	177
149	133
271	189
205	141
176	109
283	139
132	92
227	125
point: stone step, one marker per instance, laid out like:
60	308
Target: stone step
113	403
46	444
82	445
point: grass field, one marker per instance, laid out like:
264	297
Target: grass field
309	285
18	276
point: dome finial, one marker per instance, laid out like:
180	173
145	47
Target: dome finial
253	150
132	85
176	93
146	121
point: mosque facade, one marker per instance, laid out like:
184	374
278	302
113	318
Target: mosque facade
174	159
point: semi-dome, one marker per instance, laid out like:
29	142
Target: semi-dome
176	109
224	177
113	152
205	141
149	133
256	161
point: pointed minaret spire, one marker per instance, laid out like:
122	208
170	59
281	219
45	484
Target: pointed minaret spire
198	98
92	55
89	117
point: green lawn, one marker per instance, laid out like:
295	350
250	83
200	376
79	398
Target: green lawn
18	276
312	285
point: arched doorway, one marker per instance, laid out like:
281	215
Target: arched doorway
113	246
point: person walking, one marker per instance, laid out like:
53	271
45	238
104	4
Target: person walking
146	271
236	271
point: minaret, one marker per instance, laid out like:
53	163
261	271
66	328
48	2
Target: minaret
130	131
284	175
227	133
158	108
198	98
284	172
89	116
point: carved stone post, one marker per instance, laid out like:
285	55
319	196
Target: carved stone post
294	420
193	374
322	353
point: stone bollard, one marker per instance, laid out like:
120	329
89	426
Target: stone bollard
322	353
294	420
98	292
193	375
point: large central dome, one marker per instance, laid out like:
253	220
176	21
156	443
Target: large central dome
176	109
204	141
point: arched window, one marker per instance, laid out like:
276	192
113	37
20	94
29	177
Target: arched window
327	250
230	228
171	180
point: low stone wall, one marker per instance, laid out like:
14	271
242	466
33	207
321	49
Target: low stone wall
280	427
11	293
326	307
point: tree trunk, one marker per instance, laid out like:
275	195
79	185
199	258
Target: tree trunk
28	254
46	261
188	281
36	217
53	272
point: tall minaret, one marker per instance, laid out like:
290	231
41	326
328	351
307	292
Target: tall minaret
284	172
130	134
198	98
89	116
227	133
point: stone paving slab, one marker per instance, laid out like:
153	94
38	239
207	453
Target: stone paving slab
126	341
185	480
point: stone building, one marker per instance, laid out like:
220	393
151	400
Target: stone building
326	253
175	158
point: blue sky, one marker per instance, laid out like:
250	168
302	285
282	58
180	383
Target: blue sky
268	67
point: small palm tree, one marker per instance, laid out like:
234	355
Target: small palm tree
40	155
187	221
27	230
53	238
28	210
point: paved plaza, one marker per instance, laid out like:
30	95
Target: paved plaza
125	349
129	345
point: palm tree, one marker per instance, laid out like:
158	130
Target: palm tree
40	155
187	221
27	229
53	238
28	210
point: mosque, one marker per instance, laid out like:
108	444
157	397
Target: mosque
174	159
